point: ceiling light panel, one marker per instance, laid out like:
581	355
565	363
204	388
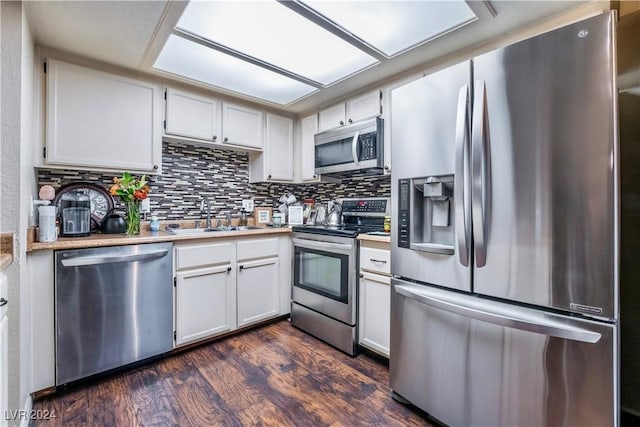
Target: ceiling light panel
197	62
395	26
272	33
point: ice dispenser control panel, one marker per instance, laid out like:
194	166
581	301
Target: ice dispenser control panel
403	213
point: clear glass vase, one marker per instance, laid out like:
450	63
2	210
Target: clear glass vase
133	216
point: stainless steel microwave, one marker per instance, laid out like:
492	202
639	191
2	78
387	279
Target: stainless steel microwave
356	147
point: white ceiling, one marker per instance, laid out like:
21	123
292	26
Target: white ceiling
130	33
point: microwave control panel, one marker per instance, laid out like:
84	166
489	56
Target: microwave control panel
367	149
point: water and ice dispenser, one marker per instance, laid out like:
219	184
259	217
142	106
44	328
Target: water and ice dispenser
426	214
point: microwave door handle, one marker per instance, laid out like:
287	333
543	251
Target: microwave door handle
354	148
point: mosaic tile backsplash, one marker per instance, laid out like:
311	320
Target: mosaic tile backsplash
190	172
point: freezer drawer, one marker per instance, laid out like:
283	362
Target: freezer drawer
469	361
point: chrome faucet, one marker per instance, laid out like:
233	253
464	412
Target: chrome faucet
206	200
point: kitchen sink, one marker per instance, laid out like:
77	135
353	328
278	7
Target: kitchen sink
191	231
199	231
245	227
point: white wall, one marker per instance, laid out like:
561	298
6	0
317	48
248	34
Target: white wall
16	184
28	187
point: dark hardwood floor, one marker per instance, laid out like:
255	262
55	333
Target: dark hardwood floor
274	375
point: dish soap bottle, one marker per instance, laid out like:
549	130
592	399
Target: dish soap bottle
387	224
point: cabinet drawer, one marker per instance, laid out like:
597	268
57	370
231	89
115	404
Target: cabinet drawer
200	255
376	260
257	248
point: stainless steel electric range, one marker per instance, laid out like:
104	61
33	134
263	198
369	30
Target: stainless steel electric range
325	272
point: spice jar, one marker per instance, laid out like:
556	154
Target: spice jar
387	224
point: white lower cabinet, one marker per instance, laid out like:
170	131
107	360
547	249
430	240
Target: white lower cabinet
224	285
205	291
258	290
204	303
375	294
374	300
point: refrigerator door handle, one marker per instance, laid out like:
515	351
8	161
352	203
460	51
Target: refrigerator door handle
460	184
480	173
538	323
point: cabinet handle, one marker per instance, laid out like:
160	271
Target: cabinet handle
226	139
214	137
241	267
228	269
361	276
3	302
386	167
350	121
155	167
382	261
315	176
341	122
269	177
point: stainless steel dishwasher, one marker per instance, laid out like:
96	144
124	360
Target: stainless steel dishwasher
113	306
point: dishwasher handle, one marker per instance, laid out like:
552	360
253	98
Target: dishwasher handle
95	260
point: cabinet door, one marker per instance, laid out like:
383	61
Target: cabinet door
242	126
102	120
4	353
375	309
308	128
279	148
192	116
205	303
4	365
363	107
332	117
258	290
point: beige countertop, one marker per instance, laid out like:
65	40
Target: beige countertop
145	236
6	250
374	238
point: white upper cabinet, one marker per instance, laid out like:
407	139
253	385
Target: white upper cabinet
199	118
242	126
355	109
279	148
363	107
192	116
102	121
332	117
308	128
275	163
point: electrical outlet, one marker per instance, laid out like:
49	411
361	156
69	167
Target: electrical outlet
247	205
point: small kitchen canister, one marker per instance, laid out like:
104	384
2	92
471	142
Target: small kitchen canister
154	225
386	226
47	224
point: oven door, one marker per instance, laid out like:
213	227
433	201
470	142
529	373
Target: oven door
324	275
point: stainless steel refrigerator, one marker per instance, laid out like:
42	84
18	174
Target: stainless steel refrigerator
504	307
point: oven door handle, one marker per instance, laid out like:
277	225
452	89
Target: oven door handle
314	244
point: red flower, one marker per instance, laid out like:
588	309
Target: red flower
139	194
